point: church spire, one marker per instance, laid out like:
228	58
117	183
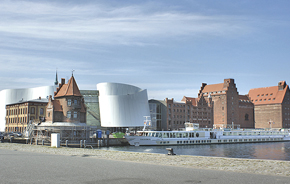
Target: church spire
56	79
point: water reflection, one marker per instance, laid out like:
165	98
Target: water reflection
271	151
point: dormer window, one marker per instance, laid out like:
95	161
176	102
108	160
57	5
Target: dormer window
75	102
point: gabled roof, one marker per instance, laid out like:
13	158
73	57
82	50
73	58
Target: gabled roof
213	87
69	89
267	95
192	100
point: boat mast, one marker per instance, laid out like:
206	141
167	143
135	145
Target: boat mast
147	122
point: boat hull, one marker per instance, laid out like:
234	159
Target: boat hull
155	141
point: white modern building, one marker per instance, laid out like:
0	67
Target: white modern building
122	105
9	96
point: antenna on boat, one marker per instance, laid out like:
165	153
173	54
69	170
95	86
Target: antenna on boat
147	122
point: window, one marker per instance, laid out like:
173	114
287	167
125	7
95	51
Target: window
69	102
48	114
75	114
68	115
32	110
247	117
75	102
41	111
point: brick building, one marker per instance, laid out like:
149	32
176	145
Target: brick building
272	106
68	104
228	106
19	114
217	105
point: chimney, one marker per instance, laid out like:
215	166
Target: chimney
62	81
281	85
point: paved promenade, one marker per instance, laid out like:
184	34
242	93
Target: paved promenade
41	164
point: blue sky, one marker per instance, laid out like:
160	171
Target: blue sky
167	47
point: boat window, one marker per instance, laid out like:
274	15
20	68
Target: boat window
185	135
156	134
149	134
153	134
197	134
160	134
179	135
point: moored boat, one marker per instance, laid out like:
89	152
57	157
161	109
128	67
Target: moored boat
191	136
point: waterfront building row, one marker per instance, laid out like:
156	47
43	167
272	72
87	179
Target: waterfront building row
120	105
220	105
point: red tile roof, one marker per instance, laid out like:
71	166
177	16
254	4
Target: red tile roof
192	100
69	89
214	87
267	95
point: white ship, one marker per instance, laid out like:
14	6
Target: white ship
194	136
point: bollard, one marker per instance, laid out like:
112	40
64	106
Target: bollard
66	143
36	142
31	141
85	144
11	139
42	142
81	143
170	151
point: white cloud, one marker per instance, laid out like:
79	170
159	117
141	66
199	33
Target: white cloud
102	24
177	94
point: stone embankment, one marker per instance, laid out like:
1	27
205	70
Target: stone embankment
253	166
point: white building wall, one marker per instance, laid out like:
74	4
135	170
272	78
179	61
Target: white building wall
9	96
122	105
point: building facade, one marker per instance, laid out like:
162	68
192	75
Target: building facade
272	106
229	108
67	105
11	96
158	113
122	105
91	98
19	114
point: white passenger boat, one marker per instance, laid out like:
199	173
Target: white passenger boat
191	136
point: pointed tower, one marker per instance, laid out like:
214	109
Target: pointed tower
56	79
68	104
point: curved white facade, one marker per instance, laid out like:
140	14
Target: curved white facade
122	105
9	96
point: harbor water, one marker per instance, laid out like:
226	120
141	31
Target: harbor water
268	151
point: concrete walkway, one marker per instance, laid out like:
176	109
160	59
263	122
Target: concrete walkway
31	167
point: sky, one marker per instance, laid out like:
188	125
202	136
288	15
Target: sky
168	47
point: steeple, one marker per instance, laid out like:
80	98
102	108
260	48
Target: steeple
56	79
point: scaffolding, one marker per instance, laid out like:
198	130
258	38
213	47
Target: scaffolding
73	133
